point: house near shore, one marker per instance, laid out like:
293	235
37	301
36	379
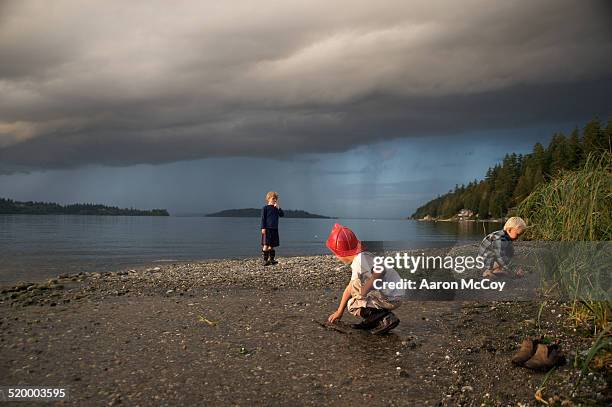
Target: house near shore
465	214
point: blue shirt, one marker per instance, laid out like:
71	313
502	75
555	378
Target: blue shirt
269	217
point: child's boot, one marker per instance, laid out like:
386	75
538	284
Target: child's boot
265	255
389	322
272	255
371	317
525	352
545	357
556	355
538	360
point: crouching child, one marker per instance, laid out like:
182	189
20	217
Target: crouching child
366	295
497	250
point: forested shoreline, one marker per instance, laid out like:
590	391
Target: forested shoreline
507	184
9	206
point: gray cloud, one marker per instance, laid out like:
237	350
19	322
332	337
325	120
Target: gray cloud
118	83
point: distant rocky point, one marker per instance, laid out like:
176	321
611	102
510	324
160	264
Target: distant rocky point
256	213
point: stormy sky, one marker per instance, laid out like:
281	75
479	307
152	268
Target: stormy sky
348	108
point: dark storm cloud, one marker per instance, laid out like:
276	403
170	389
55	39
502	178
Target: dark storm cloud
117	83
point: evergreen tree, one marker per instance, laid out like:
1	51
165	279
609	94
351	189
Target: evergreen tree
592	138
607	136
574	150
559	154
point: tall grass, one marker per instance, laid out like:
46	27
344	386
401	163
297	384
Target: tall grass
576	210
574	207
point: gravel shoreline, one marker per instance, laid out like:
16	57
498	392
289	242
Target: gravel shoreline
234	332
180	279
183	278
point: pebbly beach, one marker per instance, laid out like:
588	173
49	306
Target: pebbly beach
235	332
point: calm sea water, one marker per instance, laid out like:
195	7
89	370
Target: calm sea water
34	247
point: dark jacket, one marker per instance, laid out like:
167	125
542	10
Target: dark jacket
269	217
497	248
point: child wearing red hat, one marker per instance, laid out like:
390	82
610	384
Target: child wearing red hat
361	295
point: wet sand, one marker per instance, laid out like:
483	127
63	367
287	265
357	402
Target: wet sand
232	332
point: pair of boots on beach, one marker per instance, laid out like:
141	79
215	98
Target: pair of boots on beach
536	355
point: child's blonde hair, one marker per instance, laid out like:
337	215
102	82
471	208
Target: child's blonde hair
271	195
515	223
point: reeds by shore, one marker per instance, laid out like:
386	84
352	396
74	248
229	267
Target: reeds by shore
576	207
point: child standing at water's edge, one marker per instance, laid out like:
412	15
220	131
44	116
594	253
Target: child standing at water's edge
269	228
361	296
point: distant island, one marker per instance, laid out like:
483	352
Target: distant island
8	206
256	213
